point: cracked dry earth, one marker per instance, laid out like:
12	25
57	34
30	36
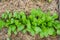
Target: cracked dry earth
26	5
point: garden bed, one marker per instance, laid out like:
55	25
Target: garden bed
26	5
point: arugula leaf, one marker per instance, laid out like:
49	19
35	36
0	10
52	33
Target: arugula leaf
15	32
33	12
37	30
2	24
57	24
10	15
28	24
31	31
45	31
9	31
4	16
51	31
16	15
58	31
16	22
42	35
24	31
13	27
55	16
49	1
10	21
20	27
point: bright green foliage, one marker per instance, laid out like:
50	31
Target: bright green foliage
58	31
38	22
9	31
20	27
2	24
49	0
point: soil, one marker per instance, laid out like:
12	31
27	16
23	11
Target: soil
26	5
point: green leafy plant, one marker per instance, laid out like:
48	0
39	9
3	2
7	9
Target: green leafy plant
2	24
38	22
49	0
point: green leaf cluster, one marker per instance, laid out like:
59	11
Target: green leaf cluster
38	22
49	1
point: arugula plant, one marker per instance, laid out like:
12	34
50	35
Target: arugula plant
49	1
38	22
